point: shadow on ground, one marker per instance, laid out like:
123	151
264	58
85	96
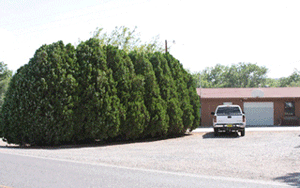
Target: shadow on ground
221	135
97	143
298	146
292	179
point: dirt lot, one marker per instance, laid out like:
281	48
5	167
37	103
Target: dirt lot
265	155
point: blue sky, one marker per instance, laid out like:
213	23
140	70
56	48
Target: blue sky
206	33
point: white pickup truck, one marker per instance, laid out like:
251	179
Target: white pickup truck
229	118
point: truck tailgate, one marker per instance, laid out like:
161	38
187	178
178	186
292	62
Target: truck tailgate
229	119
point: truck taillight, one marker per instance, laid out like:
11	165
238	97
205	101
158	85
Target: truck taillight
244	118
215	119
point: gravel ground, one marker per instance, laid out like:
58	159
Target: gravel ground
271	156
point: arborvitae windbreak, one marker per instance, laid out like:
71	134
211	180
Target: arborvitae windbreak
97	92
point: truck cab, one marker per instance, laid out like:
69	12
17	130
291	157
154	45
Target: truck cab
229	118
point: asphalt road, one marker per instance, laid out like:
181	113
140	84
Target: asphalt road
265	157
19	171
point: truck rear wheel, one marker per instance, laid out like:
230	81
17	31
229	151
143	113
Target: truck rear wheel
216	132
243	132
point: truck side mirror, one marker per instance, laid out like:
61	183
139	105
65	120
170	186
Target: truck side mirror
212	113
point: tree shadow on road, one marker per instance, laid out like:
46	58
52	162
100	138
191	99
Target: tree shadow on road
221	135
292	179
96	143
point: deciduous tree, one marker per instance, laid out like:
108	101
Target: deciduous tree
5	76
234	76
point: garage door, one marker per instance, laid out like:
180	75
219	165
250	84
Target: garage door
259	113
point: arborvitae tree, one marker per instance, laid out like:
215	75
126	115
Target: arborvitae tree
137	114
180	77
131	98
195	101
116	64
169	93
97	107
38	110
162	79
157	125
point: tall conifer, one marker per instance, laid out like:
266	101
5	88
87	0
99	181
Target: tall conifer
157	125
180	77
130	89
97	110
168	92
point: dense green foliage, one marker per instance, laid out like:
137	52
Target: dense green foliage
242	75
156	106
96	113
130	92
292	81
98	92
234	76
39	101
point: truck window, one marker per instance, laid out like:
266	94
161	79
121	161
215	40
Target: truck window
225	111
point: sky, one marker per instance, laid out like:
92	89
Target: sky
206	32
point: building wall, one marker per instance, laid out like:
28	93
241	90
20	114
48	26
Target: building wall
279	109
209	105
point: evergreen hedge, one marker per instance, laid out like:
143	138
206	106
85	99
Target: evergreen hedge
77	95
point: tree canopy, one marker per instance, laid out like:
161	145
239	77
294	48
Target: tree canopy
234	76
293	80
128	40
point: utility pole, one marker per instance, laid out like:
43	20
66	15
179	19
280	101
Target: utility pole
200	84
166	46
